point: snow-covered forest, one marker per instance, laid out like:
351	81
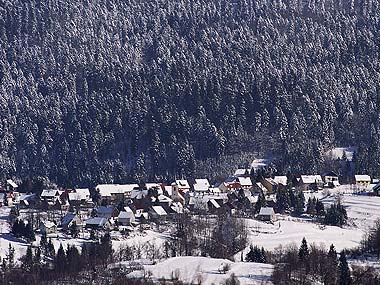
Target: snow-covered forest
115	91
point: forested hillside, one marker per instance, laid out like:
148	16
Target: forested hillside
113	91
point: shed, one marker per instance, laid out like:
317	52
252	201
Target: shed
267	214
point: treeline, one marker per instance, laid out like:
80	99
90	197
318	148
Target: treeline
117	91
311	264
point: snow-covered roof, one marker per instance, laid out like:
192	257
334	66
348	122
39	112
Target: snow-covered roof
242	171
245	181
159	210
139	194
365	178
152	185
125	215
283	180
266	211
12	183
201	185
271	181
169	189
310	179
177	207
182	184
127	209
214	203
96	221
49	224
106	190
79	194
49	193
164	199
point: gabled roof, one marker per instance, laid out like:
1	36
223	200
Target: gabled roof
96	221
48	224
106	190
139	194
164	199
201	185
283	180
169	189
242	171
159	210
266	211
245	181
67	219
310	179
49	193
127	209
12	183
125	215
152	185
365	178
214	203
105	210
182	184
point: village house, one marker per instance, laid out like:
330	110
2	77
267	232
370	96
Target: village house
362	180
27	200
126	218
270	185
267	214
50	196
97	223
115	192
201	185
242	172
107	212
230	184
48	227
330	179
79	197
310	182
179	189
245	182
157	213
11	185
281	180
69	219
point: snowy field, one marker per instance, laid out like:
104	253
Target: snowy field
194	269
337	152
362	211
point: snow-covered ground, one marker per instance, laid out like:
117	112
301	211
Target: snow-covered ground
362	211
192	269
337	152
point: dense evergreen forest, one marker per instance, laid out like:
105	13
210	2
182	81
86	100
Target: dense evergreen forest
115	91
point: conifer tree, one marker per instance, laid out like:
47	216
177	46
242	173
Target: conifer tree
303	252
27	262
344	270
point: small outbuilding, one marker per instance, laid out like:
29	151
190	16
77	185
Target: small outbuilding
267	214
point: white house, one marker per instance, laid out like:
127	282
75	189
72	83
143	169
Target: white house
201	185
113	192
363	180
245	182
48	227
158	213
307	182
50	196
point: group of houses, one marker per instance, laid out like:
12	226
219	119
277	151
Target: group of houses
124	206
